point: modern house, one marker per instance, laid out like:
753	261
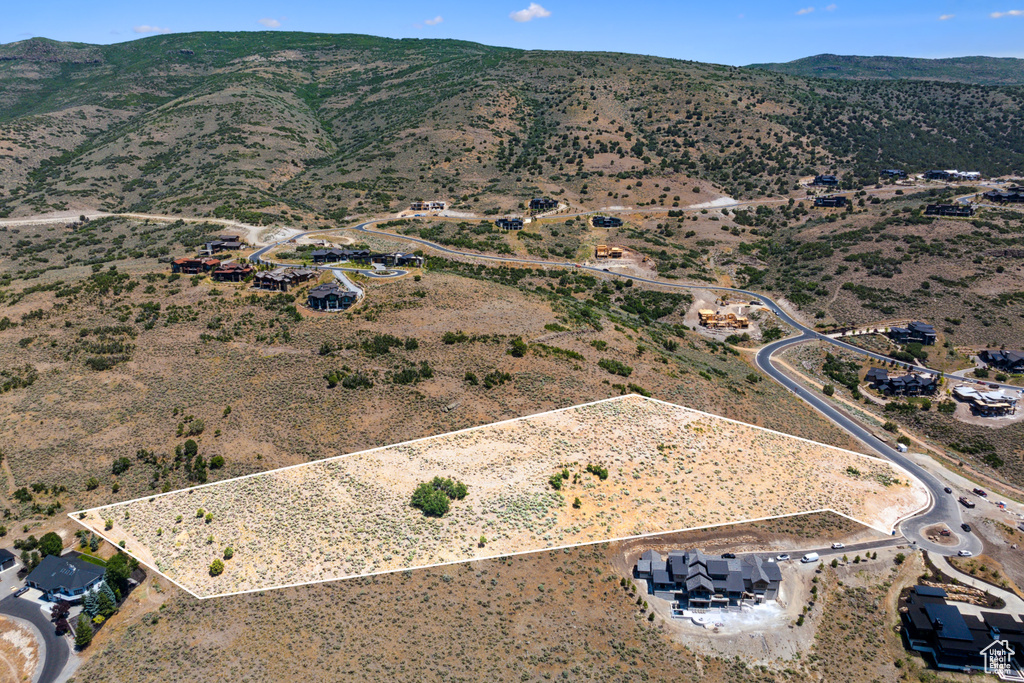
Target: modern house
952	175
330	297
543	204
894	173
695	581
222	243
993	403
233	272
281	279
194	266
341	255
955	641
831	201
509	223
65	578
912	384
914	332
427	206
7	560
826	181
606	222
1010	361
1015	195
950	210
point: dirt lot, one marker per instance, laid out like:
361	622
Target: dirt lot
19	653
657	456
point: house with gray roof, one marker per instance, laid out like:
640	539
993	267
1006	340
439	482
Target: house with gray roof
693	580
65	578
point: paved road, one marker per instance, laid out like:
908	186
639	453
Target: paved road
56	647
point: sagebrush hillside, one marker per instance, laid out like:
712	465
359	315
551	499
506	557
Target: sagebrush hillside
268	127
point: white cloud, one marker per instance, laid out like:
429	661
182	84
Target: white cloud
832	8
435	21
805	10
270	23
1011	13
534	11
946	17
146	28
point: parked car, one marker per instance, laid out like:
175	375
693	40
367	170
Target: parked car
21	591
965	553
967	502
948	490
729	556
783	557
838	546
966	527
809	557
980	492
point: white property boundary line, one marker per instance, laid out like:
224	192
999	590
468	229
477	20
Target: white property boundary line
888	532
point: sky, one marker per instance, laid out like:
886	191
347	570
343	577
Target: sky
734	32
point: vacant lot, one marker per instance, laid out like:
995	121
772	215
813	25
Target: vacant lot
668	468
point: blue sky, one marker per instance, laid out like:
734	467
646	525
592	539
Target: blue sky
723	31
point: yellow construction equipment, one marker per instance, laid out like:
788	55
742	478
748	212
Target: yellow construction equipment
722	320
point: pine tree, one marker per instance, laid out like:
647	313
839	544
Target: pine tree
89	603
83	632
104	605
109	592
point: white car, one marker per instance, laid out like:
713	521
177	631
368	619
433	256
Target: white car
838	546
783	557
965	553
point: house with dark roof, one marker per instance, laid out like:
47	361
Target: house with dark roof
692	580
911	384
330	297
222	243
65	578
7	560
509	223
606	222
543	204
894	173
194	266
831	201
952	640
280	279
233	272
919	332
826	181
949	210
341	255
1009	361
1015	195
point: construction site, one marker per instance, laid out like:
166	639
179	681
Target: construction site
722	320
604	251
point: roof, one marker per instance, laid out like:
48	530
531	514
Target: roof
65	574
661	576
947	621
930	591
1002	622
5	555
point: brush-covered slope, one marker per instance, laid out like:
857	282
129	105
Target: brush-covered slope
973	70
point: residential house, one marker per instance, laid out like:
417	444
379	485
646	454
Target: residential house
281	279
222	243
992	403
1008	361
543	204
950	210
194	266
831	201
233	272
826	181
341	255
330	297
509	223
427	206
914	332
952	640
894	173
7	560
1015	195
606	222
65	578
952	175
693	580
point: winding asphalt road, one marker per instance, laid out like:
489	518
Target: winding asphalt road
56	647
944	507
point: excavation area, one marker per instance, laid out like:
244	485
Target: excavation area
618	468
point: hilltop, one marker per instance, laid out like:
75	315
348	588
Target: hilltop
275	126
973	70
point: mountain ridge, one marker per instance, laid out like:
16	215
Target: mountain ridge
975	70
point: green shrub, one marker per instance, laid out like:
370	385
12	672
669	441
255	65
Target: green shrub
615	367
216	568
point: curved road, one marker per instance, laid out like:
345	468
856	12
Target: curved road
56	649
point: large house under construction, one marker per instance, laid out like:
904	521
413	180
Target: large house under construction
604	251
722	320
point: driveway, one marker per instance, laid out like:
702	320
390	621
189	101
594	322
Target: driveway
54	649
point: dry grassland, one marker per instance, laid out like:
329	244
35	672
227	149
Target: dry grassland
19	654
670	468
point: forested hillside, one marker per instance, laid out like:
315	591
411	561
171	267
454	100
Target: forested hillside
271	126
973	70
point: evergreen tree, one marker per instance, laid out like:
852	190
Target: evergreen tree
105	606
83	632
89	603
104	589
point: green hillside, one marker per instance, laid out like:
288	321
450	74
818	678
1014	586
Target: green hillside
270	125
973	70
